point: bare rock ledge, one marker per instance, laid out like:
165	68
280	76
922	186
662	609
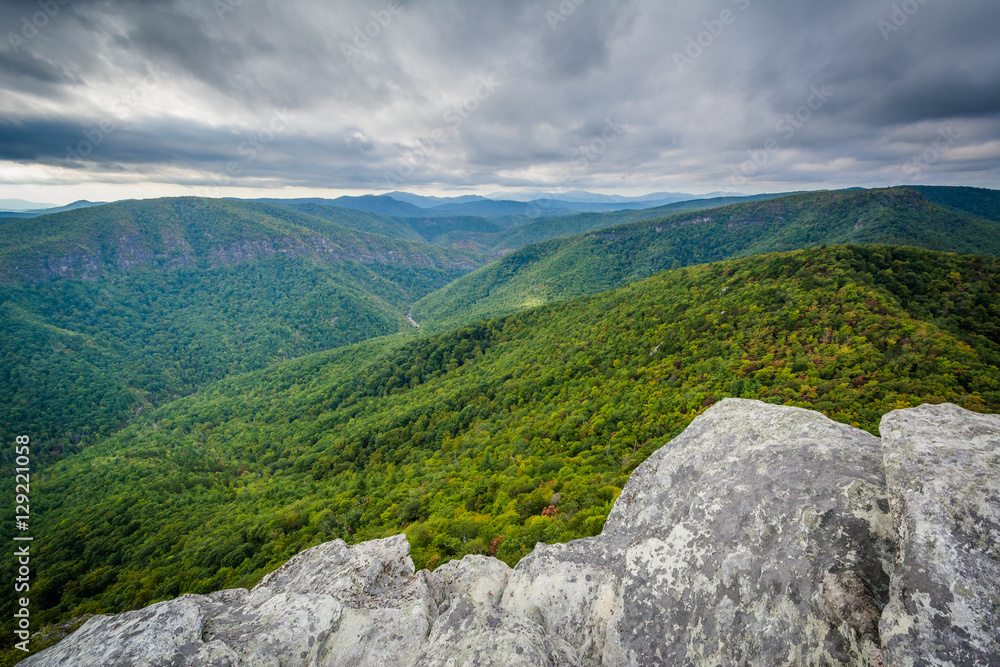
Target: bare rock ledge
762	535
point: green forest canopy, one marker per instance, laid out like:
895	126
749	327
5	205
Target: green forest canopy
166	296
490	438
601	260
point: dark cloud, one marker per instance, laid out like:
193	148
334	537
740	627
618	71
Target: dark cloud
383	95
19	65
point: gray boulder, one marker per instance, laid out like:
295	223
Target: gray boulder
943	470
762	535
759	536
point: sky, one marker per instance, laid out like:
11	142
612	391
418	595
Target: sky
104	99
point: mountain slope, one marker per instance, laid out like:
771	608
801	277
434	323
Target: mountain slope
111	310
600	260
977	201
362	221
381	204
488	234
490	438
544	229
430	202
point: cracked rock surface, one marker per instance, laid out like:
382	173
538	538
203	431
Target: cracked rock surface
762	535
943	469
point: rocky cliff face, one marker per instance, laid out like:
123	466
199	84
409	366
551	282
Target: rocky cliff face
762	535
127	252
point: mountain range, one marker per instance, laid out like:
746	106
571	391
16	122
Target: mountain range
213	386
45	209
532	205
588	263
109	310
8	205
471	440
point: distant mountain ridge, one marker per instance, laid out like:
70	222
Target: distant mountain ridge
582	196
404	204
106	311
605	258
12	205
82	203
540	202
492	235
430	202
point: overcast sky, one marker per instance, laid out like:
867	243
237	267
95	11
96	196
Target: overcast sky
110	99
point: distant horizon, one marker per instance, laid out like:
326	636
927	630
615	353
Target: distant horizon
334	193
447	194
115	100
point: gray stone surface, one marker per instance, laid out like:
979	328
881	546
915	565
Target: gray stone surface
762	535
943	470
759	536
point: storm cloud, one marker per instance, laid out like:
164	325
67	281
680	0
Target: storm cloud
223	96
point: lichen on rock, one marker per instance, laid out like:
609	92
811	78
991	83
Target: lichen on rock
762	535
943	470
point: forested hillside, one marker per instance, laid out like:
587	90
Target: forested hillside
363	221
111	310
492	437
498	235
544	229
601	260
978	201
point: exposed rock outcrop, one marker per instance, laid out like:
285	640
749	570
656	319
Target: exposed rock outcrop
943	470
762	535
164	234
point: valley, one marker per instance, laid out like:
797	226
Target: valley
220	385
489	438
563	333
115	309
